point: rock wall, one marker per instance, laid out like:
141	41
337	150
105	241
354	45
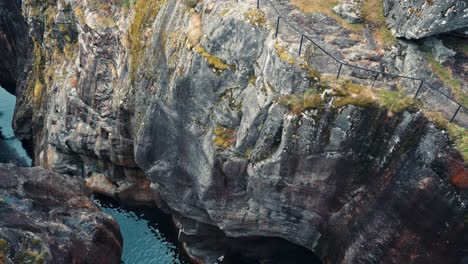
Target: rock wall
418	19
198	106
49	218
15	45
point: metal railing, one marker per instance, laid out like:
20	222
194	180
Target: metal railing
342	64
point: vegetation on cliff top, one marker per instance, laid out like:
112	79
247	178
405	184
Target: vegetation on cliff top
457	133
447	77
372	14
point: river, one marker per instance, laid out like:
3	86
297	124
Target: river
148	234
11	149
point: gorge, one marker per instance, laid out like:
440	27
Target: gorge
259	155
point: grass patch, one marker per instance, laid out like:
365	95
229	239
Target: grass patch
214	62
395	101
445	74
313	73
325	7
256	17
3	245
224	137
192	3
283	54
311	99
353	94
145	13
253	79
373	14
458	134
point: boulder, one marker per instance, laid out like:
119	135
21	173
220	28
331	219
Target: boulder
415	19
49	218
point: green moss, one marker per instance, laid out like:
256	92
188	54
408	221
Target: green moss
253	79
313	73
395	101
31	256
363	102
298	104
35	82
460	136
248	153
214	62
224	137
283	54
192	3
256	17
457	133
3	245
373	14
446	76
354	94
145	13
312	102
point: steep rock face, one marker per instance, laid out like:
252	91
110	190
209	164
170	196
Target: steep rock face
49	218
418	19
73	103
231	131
15	45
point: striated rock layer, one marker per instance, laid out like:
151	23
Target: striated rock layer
49	218
416	19
198	106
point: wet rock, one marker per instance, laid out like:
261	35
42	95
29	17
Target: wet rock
49	218
416	19
351	10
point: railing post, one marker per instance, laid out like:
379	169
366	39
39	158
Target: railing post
375	79
456	112
277	26
258	4
419	89
339	71
300	46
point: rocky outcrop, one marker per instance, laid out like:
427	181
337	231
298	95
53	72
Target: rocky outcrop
15	45
418	19
351	10
49	218
198	106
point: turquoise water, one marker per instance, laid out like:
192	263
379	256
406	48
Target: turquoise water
11	149
146	240
148	234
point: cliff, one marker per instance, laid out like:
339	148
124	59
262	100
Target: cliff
417	19
197	106
49	218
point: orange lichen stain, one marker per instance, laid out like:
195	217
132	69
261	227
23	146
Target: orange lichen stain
460	177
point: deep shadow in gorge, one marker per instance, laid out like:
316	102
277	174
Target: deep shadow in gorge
15	45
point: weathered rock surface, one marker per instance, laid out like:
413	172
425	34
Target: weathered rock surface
441	53
415	19
191	98
351	10
49	218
